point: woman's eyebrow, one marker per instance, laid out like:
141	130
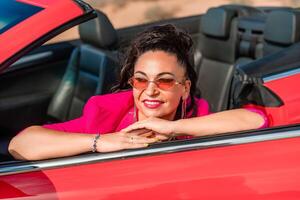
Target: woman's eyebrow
165	73
160	74
140	72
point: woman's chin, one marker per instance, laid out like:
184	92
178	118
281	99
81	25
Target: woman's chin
157	114
149	114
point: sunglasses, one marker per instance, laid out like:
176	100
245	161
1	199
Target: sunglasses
161	83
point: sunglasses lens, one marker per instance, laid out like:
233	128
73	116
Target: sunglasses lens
165	83
142	83
139	83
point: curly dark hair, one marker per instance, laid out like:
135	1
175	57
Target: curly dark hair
166	38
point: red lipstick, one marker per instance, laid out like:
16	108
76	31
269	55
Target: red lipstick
152	104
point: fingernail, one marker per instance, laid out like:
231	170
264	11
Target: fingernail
146	144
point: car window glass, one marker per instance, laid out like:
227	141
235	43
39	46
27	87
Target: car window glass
12	13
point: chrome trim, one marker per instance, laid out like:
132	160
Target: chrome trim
190	145
281	75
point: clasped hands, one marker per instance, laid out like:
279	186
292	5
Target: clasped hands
152	127
137	135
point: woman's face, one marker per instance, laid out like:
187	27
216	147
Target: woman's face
158	102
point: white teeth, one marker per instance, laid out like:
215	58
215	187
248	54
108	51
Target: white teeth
151	102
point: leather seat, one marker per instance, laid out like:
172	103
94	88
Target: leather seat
267	32
282	30
217	44
280	46
224	49
250	33
91	69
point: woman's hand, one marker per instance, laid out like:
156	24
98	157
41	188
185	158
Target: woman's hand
161	127
122	140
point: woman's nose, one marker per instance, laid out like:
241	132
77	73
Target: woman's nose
151	89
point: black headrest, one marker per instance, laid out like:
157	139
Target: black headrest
98	32
244	10
283	27
216	22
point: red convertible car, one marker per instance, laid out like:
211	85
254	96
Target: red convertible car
244	56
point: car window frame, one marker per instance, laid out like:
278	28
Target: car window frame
88	14
197	143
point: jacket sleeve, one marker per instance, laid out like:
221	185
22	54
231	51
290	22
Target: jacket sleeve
203	109
82	124
261	113
101	114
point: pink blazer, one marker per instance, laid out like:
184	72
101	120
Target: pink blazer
109	113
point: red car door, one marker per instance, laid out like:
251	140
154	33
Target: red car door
262	165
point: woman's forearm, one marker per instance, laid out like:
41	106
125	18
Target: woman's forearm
221	122
36	143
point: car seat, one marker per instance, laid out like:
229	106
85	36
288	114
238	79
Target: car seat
91	69
218	46
273	32
281	31
280	47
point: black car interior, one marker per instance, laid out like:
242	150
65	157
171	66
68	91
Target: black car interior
282	30
91	69
219	44
55	87
218	32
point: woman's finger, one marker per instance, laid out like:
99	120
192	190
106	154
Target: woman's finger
161	137
148	134
139	131
152	134
133	127
135	145
140	139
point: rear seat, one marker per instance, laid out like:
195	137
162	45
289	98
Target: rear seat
281	31
274	32
233	36
250	33
266	34
91	69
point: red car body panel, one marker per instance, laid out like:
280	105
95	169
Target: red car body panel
263	170
289	112
55	9
257	171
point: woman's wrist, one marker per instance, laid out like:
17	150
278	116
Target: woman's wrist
104	143
180	127
175	127
95	142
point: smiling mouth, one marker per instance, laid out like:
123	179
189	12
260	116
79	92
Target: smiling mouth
152	104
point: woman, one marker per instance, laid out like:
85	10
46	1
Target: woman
162	104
